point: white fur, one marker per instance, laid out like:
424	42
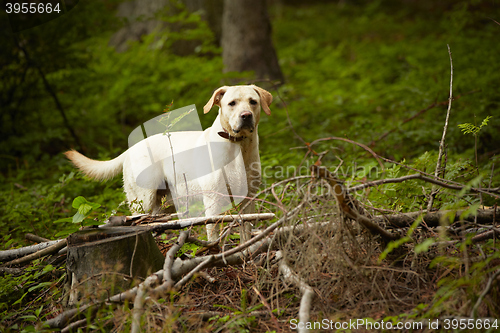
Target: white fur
147	165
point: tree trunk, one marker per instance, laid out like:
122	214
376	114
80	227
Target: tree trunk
246	39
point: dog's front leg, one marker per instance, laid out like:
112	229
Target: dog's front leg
212	208
253	181
246	227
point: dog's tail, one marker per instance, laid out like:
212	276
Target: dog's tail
98	170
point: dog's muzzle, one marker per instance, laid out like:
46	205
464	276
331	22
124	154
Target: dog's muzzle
247	121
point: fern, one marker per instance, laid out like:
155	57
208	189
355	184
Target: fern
469	128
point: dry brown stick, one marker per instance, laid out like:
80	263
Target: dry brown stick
268	307
415	176
188	276
345	205
36	238
73	327
48	250
485	236
368	149
443	138
490	191
305	289
270	188
419	113
10	271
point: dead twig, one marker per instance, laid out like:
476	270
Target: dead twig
365	147
490	191
188	276
74	326
36	238
415	176
306	290
443	138
186	223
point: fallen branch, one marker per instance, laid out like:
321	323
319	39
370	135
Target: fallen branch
168	281
74	326
420	177
186	223
24	251
490	191
36	238
10	271
138	309
305	289
48	250
433	219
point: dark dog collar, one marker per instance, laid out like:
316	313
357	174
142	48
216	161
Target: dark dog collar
229	137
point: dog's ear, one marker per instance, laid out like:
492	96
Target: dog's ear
265	99
215	99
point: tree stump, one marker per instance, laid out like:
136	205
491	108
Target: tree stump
105	261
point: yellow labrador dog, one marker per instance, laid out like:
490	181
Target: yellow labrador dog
219	162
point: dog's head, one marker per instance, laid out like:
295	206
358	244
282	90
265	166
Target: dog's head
240	107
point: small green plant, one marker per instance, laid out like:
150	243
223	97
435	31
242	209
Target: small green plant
468	128
85	209
242	319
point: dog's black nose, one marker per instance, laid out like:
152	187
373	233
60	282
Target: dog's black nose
246	116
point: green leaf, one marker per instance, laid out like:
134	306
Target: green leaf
485	121
424	246
40	285
38	311
78	201
77	218
84	209
65	219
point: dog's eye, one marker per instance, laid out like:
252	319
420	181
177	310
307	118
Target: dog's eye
253	102
233	103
